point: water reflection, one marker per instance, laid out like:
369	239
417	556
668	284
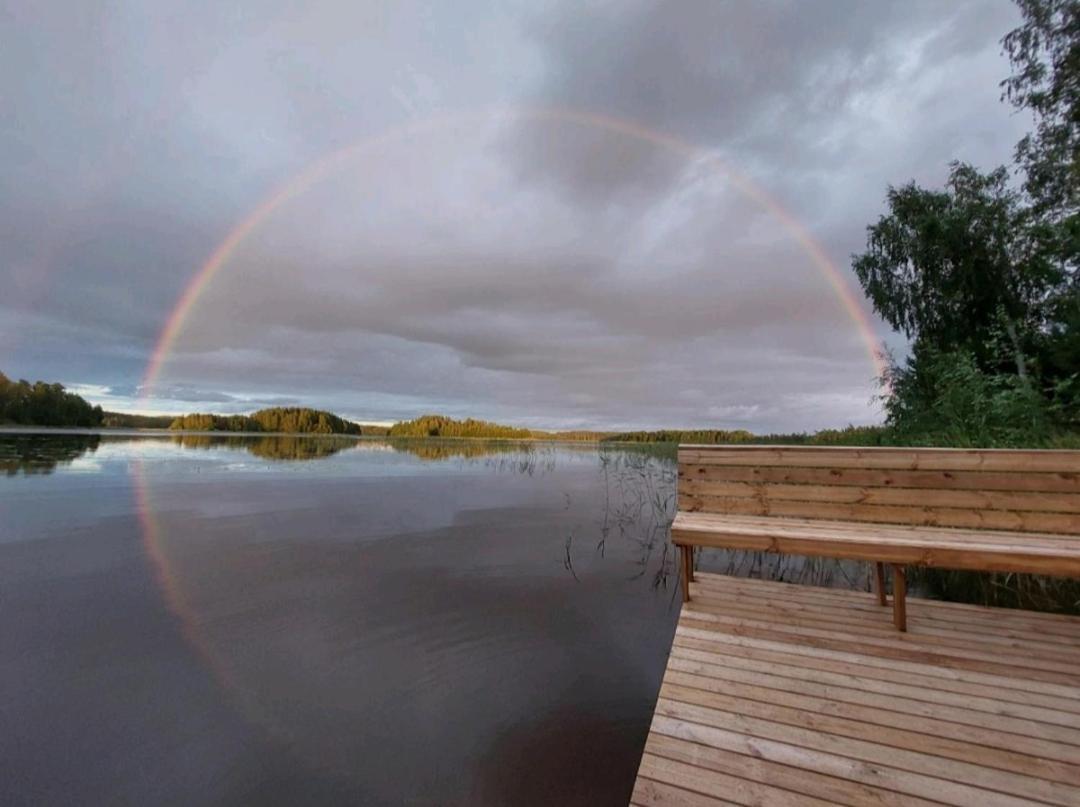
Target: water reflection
519	456
32	454
368	653
272	447
640	503
438	450
811	571
41	452
322	625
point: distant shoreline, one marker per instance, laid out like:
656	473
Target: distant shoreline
859	436
120	430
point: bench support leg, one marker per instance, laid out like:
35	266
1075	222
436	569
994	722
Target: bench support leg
899	597
879	583
687	565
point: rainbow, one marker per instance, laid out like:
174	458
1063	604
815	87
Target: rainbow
178	604
154	545
316	171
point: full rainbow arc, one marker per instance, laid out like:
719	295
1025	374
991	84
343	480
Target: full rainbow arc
172	588
312	174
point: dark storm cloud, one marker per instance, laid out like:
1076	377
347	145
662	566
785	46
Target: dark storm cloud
535	269
766	81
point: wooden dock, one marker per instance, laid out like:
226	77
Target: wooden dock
783	694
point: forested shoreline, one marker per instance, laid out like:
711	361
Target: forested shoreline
44	404
49	405
282	420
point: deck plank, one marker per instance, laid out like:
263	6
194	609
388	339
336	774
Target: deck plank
772	696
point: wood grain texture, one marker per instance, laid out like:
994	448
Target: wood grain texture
1036	501
1015	491
989	519
1056	482
982	510
757	709
910	459
975	550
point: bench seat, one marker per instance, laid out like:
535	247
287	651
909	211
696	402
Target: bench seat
943	547
984	510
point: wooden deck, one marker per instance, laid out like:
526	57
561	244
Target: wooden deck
783	694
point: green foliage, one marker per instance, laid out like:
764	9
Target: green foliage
272	446
199	422
1058	349
37	454
43	404
951	269
946	399
371	430
1045	55
303	421
699	436
126	420
985	282
582	435
849	436
984	279
999	590
442	426
429	449
291	420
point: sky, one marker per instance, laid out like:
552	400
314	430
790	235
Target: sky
610	215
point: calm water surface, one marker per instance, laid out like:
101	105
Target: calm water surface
275	620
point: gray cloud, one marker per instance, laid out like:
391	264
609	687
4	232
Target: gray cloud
526	267
764	82
188	394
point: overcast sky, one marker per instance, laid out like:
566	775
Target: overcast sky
487	260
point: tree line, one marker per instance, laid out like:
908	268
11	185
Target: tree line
981	274
44	404
442	426
289	420
851	435
128	420
272	446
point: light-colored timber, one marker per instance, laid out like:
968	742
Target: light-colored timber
988	510
791	695
910	459
1036	553
976	489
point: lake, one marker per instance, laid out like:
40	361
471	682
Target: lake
216	620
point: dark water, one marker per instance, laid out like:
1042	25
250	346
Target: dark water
318	620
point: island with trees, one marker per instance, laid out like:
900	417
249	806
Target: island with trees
442	426
283	420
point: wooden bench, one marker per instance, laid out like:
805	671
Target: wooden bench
977	509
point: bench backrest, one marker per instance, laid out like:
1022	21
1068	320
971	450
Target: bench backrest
1030	491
